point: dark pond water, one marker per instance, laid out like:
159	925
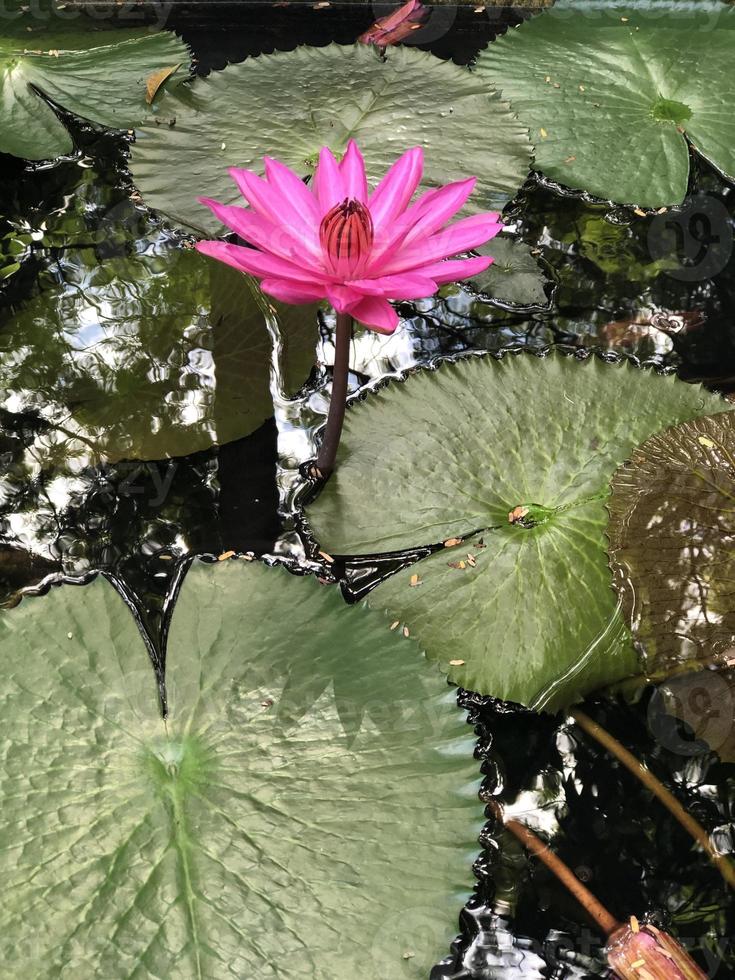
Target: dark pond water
612	274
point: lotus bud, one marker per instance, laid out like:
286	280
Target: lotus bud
643	952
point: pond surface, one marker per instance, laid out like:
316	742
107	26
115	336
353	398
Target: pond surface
660	289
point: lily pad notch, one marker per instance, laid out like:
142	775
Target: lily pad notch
107	84
252	828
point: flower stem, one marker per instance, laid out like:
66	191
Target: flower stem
338	400
595	909
697	831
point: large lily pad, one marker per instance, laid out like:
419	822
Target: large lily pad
103	82
612	99
531	615
289	105
672	544
225	841
149	357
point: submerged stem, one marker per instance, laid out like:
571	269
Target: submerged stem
338	400
595	909
692	826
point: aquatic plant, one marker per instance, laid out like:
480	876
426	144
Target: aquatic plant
614	98
109	79
296	102
279	812
505	470
397	25
338	241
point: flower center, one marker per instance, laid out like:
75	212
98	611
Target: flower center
346	236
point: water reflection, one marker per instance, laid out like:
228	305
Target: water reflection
672	532
603	824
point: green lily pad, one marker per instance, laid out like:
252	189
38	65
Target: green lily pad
515	277
150	357
613	97
289	105
226	841
531	615
104	83
672	535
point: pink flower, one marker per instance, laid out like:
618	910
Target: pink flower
397	25
335	240
643	952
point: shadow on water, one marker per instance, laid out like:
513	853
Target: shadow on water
622	283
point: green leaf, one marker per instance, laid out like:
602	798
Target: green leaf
294	103
147	358
105	84
611	101
226	841
672	534
515	277
532	614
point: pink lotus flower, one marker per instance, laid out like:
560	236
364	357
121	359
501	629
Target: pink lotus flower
643	952
397	25
336	240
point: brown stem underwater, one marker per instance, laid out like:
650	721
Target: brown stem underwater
697	831
607	923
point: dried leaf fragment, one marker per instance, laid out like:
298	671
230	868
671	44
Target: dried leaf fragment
156	80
